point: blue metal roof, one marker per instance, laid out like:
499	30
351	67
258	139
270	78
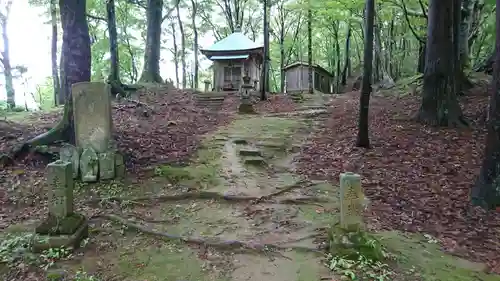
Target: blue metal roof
237	41
228	57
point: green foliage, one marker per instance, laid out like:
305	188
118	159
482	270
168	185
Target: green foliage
84	276
44	94
358	255
15	248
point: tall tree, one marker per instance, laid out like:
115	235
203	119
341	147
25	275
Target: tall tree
347	59
114	73
175	52
5	59
58	98
486	190
265	66
75	67
183	46
309	46
151	70
194	7
363	139
439	98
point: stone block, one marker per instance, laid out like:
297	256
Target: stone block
92	113
89	165
69	233
351	202
249	151
61	185
107	165
70	153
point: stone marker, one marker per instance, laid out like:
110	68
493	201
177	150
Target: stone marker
63	227
60	179
107	165
92	113
351	202
89	165
119	165
69	153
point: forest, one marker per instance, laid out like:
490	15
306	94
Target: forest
217	140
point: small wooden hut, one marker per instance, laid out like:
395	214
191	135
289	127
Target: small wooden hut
297	78
234	57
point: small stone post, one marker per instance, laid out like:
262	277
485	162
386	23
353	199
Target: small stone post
60	179
351	202
70	153
207	85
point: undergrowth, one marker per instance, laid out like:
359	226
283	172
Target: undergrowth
358	255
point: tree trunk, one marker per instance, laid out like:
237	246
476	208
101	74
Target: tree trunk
195	46
422	50
337	55
363	139
7	68
347	58
282	52
114	73
75	67
151	70
485	192
55	72
440	106
309	48
265	66
183	47
176	57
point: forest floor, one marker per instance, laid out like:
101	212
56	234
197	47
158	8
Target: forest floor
263	217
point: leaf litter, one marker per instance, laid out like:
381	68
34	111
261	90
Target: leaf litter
417	177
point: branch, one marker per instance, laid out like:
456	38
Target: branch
138	3
167	15
405	12
97	18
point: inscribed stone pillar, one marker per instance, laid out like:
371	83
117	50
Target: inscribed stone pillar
351	202
60	180
92	113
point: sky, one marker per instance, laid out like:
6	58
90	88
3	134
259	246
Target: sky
30	44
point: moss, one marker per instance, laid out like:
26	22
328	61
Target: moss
52	226
351	245
416	256
166	262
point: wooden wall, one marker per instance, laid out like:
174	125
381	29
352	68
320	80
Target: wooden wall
297	79
249	64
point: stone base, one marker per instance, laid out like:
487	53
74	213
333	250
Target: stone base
250	152
68	232
255	161
246	109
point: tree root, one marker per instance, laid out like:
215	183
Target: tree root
209	241
211	195
298	184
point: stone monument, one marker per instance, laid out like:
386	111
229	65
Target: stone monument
352	202
92	112
94	157
246	105
62	227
